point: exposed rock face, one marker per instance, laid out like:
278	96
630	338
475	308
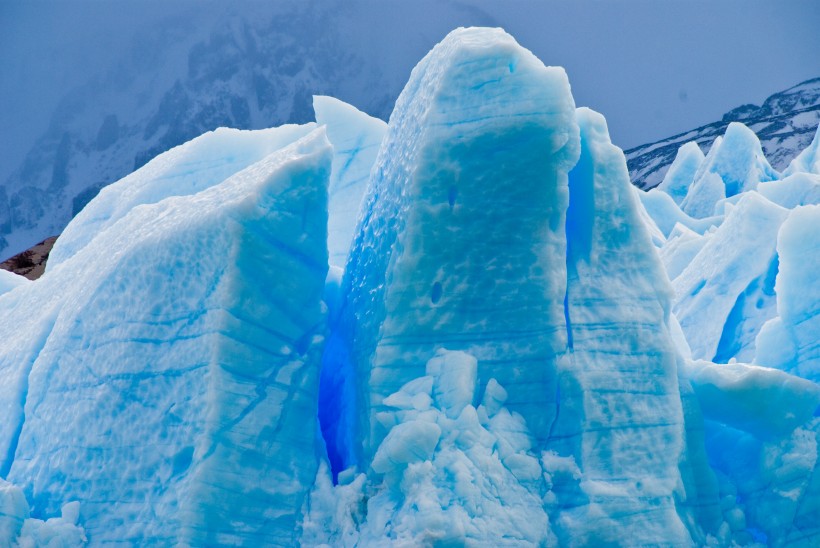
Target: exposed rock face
31	263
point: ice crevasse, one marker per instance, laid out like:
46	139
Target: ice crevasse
456	329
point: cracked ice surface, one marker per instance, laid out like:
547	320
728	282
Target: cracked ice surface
620	414
461	240
175	357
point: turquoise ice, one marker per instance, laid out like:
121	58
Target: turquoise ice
461	241
165	378
464	327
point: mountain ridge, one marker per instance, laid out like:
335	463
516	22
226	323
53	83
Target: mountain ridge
796	108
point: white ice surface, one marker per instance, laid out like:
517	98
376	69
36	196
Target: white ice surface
10	280
725	293
735	164
681	173
184	170
798	291
356	138
807	161
733	394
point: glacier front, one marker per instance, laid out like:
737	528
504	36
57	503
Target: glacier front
464	327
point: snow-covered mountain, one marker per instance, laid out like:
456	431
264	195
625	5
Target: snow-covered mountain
501	362
785	124
222	69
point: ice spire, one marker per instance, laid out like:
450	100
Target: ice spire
461	243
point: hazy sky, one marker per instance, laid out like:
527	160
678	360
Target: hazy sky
653	68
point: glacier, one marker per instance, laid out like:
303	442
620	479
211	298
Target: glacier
747	302
462	327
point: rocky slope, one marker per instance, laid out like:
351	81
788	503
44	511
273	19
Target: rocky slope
31	263
785	124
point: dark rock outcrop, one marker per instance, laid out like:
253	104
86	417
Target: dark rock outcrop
31	263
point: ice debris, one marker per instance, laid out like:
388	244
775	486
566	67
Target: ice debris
452	468
18	528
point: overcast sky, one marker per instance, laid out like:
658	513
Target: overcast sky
653	68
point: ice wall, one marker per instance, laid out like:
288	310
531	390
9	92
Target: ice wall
167	378
461	242
620	413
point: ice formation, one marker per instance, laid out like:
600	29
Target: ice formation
465	219
619	398
682	172
520	349
726	291
725	268
735	164
453	468
746	291
356	138
789	341
9	280
807	161
180	370
16	523
182	171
